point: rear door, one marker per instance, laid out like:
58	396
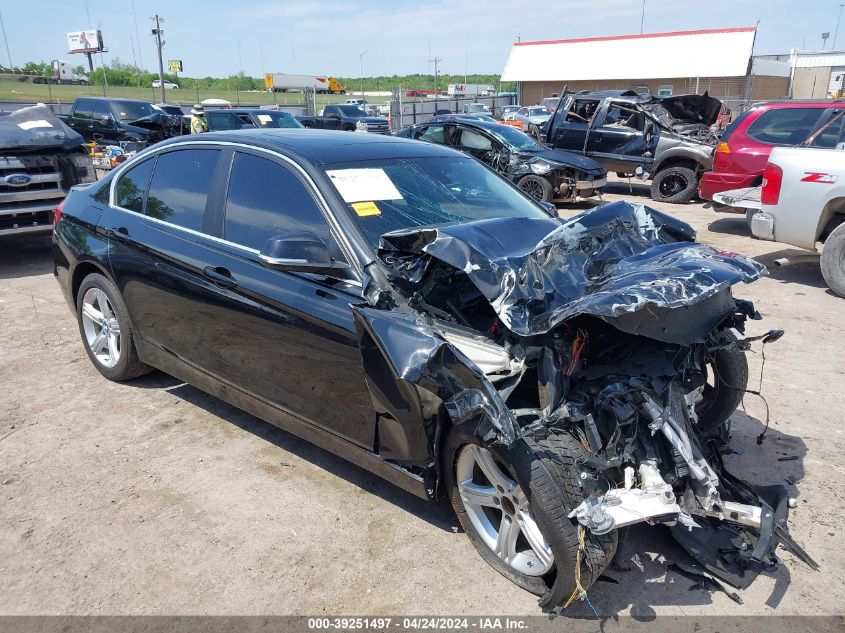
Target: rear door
160	242
286	338
618	137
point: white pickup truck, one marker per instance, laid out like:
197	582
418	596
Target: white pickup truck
802	201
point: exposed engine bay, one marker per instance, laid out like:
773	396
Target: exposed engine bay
614	327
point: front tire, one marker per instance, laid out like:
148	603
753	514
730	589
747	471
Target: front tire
513	503
537	187
833	260
674	184
106	330
727	380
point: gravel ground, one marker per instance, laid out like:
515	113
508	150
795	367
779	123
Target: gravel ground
154	498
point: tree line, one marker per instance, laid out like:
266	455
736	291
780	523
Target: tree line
118	73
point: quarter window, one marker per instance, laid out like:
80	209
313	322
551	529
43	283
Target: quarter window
132	186
267	199
784	126
180	185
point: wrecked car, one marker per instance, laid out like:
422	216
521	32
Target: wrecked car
542	173
665	139
40	160
110	121
406	308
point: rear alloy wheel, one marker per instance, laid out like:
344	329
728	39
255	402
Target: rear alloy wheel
833	260
537	187
674	184
106	330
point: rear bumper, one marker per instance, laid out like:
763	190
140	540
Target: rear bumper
713	182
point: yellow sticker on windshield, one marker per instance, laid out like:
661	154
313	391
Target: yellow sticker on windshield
363	209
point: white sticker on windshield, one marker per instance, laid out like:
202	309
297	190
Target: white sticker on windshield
358	185
28	125
265	118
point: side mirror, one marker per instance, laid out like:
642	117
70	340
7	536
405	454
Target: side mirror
549	208
840	146
106	118
299	251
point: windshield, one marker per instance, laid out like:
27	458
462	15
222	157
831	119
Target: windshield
131	110
516	139
401	193
352	111
278	119
539	112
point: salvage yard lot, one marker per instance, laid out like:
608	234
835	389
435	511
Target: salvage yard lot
152	497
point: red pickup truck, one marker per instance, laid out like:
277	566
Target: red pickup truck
745	145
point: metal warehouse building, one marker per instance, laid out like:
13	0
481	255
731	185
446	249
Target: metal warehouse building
718	61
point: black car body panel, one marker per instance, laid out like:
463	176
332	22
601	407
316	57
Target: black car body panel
464	323
101	119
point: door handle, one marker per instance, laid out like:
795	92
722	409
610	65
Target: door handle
119	232
220	276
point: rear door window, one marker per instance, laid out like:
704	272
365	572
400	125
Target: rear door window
180	185
132	186
266	199
784	126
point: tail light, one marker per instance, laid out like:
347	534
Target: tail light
772	179
57	212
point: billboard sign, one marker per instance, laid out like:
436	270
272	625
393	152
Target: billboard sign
174	65
90	41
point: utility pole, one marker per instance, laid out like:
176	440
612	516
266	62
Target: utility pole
642	18
157	33
361	59
436	61
836	30
5	40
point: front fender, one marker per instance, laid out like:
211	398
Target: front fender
413	372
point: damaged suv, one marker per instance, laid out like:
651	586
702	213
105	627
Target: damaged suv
406	308
665	139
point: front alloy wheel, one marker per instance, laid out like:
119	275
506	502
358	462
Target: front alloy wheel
499	511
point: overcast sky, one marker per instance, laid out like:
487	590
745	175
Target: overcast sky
220	37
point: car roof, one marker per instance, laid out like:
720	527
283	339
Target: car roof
798	103
493	126
323	147
121	99
248	110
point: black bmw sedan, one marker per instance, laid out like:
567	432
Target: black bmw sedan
403	306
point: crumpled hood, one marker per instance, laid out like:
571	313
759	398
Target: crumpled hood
34	128
702	109
615	262
570	159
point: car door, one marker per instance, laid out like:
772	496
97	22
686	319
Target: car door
331	118
618	136
572	127
80	117
286	338
474	142
102	122
159	245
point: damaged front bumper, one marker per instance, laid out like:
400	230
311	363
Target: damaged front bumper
603	327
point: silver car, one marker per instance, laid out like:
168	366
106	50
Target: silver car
531	117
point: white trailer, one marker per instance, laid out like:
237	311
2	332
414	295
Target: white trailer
471	90
62	74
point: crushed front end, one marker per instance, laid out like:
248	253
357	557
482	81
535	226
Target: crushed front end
615	328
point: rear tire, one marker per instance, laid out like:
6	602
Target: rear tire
833	260
537	187
106	330
546	472
674	184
